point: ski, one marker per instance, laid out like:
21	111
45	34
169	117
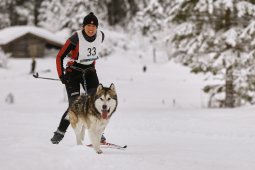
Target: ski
110	145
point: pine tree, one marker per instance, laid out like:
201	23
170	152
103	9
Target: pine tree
53	15
18	12
36	8
118	12
149	19
58	14
216	37
4	15
14	12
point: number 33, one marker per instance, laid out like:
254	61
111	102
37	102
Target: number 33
92	51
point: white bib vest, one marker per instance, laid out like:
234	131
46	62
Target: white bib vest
89	51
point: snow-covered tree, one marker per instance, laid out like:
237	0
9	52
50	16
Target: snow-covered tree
36	7
4	15
18	12
150	19
217	37
58	14
10	13
53	15
119	12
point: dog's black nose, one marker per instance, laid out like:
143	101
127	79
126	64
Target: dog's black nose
104	106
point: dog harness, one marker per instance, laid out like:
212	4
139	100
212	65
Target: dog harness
88	51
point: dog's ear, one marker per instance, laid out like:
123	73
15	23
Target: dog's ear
112	87
99	87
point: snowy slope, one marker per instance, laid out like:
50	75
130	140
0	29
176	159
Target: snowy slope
161	117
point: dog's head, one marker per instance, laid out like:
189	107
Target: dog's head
106	100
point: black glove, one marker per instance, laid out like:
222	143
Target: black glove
64	78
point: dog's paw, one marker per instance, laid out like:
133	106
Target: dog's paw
99	151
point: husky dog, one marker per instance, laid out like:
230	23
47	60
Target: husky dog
93	112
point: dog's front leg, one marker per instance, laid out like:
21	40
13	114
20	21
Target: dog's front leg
82	133
78	132
95	139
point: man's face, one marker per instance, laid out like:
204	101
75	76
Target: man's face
90	29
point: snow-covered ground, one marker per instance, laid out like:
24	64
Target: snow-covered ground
161	116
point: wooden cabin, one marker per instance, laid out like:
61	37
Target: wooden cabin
27	41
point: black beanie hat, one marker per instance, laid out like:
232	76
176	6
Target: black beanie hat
90	19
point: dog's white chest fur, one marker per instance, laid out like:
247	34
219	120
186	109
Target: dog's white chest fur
96	123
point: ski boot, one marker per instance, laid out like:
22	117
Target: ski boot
58	136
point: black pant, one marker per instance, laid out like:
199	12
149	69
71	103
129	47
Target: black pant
75	79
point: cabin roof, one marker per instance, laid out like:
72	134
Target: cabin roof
10	34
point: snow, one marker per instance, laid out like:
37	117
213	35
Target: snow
11	33
245	8
161	116
231	37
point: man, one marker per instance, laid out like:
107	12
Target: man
84	46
